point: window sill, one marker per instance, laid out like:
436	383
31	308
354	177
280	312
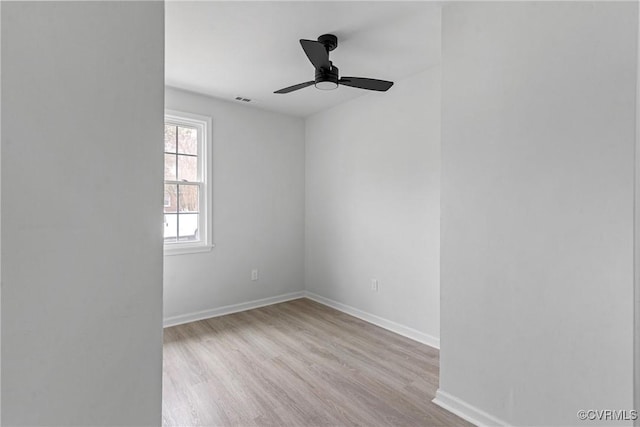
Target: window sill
185	249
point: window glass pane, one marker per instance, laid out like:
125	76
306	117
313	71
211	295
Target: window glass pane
188	227
183	175
187	168
170	138
170	228
170	167
170	198
188	198
187	140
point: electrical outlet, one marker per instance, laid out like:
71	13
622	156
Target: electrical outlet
374	285
254	274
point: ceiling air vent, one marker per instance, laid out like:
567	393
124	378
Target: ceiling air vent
240	98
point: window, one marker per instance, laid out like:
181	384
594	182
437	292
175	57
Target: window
186	194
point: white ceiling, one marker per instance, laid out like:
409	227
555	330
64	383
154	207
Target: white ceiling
250	49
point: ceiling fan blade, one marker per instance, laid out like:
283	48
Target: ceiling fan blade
295	87
317	53
364	83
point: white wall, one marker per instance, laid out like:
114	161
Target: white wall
258	210
0	217
373	203
636	357
538	134
82	105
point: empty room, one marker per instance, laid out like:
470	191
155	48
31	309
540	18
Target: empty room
319	213
327	199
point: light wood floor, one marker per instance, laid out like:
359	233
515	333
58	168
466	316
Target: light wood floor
298	363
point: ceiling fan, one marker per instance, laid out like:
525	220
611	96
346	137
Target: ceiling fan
327	73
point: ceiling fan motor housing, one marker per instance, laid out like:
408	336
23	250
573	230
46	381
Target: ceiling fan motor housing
327	79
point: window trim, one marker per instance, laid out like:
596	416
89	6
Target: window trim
203	124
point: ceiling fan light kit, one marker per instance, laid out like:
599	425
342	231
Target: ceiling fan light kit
327	79
327	75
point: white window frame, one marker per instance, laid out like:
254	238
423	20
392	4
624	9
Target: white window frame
205	224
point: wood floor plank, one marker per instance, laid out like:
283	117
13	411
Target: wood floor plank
298	363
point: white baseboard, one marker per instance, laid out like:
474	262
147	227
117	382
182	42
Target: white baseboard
377	320
465	411
229	309
367	317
